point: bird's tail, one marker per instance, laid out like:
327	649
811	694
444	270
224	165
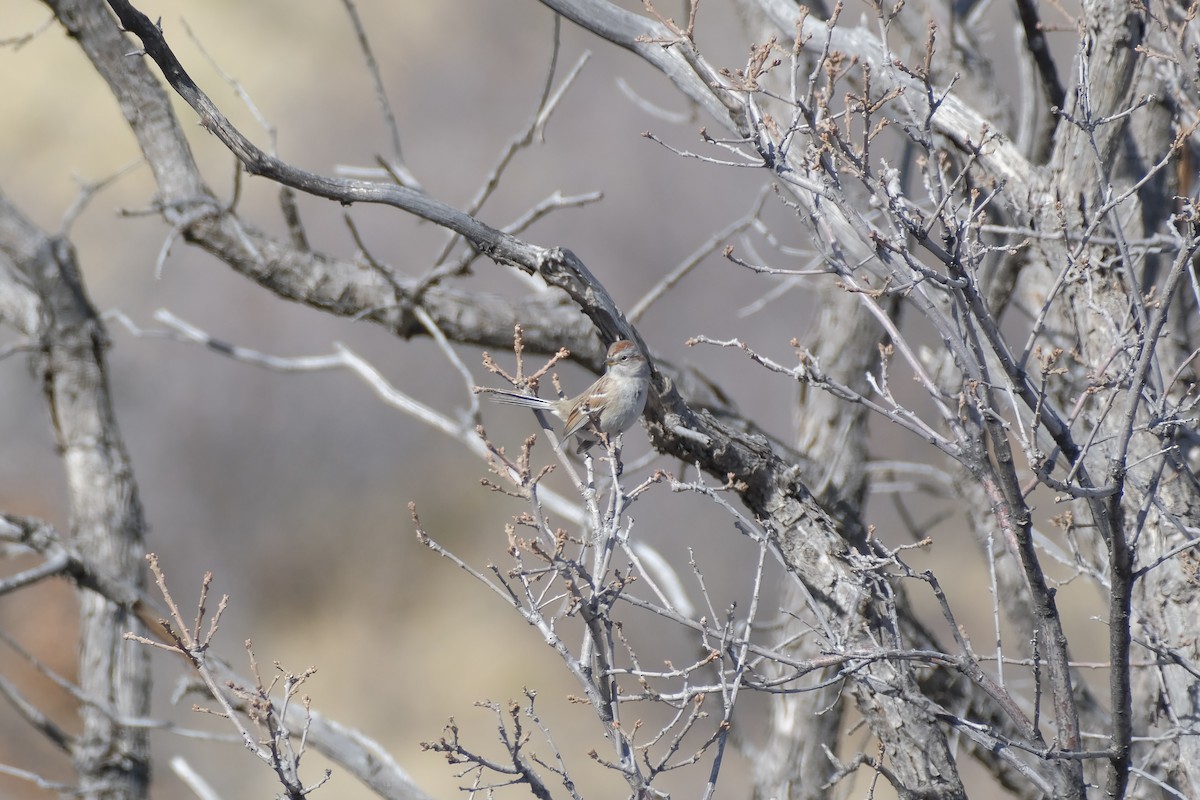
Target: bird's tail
516	399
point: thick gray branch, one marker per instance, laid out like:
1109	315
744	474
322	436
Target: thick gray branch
107	524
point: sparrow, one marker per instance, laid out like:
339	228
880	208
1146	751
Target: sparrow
609	406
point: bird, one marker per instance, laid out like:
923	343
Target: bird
609	406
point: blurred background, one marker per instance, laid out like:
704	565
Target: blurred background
293	488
